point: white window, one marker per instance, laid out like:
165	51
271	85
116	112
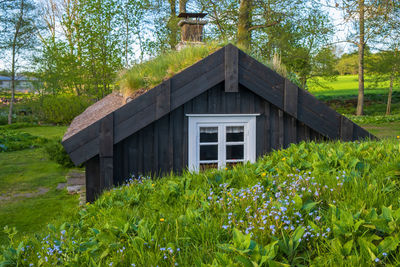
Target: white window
218	140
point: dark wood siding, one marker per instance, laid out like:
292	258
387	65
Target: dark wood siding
161	147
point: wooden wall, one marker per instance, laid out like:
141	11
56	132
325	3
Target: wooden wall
162	146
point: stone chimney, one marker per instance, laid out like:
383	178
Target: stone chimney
191	29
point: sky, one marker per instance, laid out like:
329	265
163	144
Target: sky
341	31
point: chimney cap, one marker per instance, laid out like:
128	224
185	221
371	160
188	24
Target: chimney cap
192	15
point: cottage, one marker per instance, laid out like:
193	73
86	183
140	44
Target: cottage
226	109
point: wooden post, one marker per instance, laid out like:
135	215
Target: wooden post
231	69
92	178
106	152
346	129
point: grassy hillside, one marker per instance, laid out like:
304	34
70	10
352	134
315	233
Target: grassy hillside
324	204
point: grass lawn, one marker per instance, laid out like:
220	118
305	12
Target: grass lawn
384	130
46	131
29	199
346	85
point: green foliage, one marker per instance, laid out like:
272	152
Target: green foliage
12	141
310	204
150	73
59	109
57	153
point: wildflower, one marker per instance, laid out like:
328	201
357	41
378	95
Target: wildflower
284	159
226	168
111	264
263	174
376	260
398	137
152	185
162	220
384	254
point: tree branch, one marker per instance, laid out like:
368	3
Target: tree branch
264	26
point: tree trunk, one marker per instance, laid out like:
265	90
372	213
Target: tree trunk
172	25
10	112
244	34
389	100
361	46
182	6
14	47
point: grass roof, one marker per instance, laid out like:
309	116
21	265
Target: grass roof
147	75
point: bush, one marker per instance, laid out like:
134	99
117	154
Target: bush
60	109
56	152
12	141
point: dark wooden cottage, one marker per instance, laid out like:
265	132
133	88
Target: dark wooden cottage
225	109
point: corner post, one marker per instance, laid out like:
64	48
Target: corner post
106	152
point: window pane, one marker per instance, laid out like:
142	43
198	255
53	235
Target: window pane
209	152
205	166
208	134
234	152
234	133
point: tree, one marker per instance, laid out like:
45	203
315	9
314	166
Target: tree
384	67
368	18
17	35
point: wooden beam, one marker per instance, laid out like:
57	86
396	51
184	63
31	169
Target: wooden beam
290	98
163	99
106	151
231	69
346	129
92	174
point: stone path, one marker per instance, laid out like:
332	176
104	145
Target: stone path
75	185
38	192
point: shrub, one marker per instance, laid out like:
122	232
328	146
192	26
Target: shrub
56	152
14	140
60	109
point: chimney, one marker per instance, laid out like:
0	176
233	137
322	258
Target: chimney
191	29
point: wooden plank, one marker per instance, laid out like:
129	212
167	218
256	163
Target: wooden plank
261	88
106	148
106	173
292	130
187	109
136	122
136	105
92	176
163	99
107	136
81	138
198	69
200	103
300	131
281	128
163	146
148	148
270	79
290	98
88	151
274	122
212	100
267	127
346	129
231	69
177	117
171	158
197	86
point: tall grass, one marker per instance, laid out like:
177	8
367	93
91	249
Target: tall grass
150	73
330	204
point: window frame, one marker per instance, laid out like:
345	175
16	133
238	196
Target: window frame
195	121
